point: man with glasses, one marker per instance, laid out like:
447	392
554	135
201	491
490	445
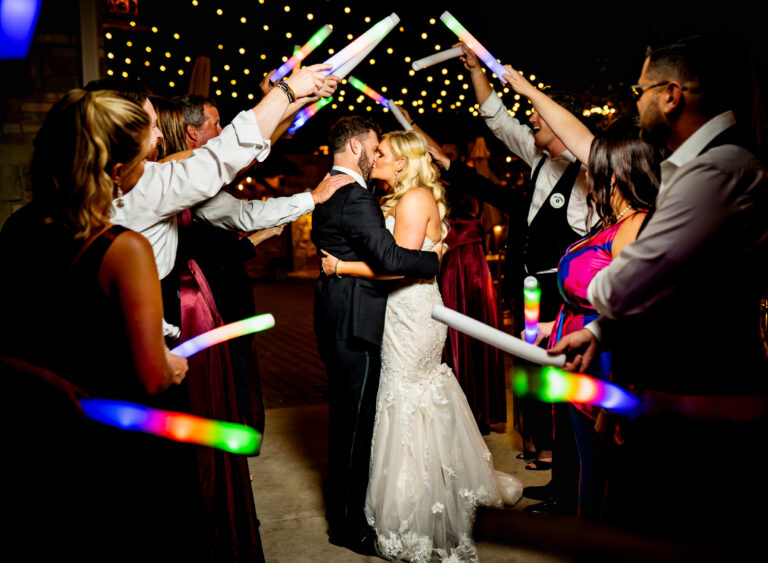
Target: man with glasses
684	299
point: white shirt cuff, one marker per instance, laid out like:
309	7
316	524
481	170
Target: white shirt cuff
595	328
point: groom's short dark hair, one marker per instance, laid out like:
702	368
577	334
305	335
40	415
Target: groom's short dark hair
348	128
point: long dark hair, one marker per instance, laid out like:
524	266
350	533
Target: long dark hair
619	151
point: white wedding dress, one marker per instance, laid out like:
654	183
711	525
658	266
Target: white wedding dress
430	467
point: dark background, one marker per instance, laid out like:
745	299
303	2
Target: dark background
594	49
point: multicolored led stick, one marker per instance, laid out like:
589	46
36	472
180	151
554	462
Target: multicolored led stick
314	41
531	299
224	333
437	58
227	436
303	116
495	337
350	56
468	39
374	95
553	385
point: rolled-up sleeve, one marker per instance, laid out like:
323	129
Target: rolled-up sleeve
231	213
517	137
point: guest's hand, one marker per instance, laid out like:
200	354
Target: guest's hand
439	157
329	86
518	82
544	330
260	236
328	263
308	80
266	83
178	365
579	347
470	60
328	186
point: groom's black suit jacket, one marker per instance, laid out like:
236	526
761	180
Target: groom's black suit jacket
350	226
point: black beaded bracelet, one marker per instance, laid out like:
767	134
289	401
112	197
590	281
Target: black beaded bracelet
285	87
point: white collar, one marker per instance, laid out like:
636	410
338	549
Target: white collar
694	144
356	175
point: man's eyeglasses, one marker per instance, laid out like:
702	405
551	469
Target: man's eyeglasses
639	89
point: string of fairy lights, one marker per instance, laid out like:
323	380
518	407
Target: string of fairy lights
163	55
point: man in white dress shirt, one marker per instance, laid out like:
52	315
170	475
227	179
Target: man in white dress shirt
682	310
166	189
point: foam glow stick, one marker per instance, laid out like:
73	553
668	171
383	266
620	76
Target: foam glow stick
18	19
378	98
468	39
303	116
495	337
350	56
314	41
395	109
531	299
180	427
224	333
553	385
437	58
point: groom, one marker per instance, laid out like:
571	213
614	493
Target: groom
349	323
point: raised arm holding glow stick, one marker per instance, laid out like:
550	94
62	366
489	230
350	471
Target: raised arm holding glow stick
468	39
224	333
495	337
314	41
531	299
437	58
350	56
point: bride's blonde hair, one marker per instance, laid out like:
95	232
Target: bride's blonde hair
417	172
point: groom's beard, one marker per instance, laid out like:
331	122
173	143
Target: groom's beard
365	165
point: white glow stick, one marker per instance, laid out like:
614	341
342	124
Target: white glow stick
437	58
399	115
495	337
224	333
350	56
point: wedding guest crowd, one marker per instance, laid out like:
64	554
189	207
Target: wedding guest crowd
635	235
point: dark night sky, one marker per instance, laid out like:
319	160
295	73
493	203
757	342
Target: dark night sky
595	50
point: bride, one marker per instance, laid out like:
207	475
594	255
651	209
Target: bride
430	467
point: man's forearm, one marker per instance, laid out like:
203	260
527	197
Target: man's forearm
480	83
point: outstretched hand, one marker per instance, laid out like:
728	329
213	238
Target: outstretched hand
470	60
308	80
258	237
328	186
579	347
440	157
518	82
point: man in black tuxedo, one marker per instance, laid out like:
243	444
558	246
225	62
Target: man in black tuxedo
349	323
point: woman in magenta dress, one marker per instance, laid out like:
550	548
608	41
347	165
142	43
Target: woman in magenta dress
623	185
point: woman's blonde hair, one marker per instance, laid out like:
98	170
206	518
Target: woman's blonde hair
84	135
417	172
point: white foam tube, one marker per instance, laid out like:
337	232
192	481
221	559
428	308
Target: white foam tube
437	58
350	56
399	115
495	337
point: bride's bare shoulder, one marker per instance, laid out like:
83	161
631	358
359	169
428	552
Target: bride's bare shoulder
417	196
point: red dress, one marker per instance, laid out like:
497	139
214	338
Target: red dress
467	287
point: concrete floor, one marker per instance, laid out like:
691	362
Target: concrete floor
287	487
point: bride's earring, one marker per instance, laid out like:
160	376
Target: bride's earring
119	202
396	173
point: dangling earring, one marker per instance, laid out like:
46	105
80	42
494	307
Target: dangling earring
396	173
119	202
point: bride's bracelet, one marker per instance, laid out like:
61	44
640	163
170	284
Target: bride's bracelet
336	269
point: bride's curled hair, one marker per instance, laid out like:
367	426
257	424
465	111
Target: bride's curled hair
417	172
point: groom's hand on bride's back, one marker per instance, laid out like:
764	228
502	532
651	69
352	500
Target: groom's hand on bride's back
328	186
